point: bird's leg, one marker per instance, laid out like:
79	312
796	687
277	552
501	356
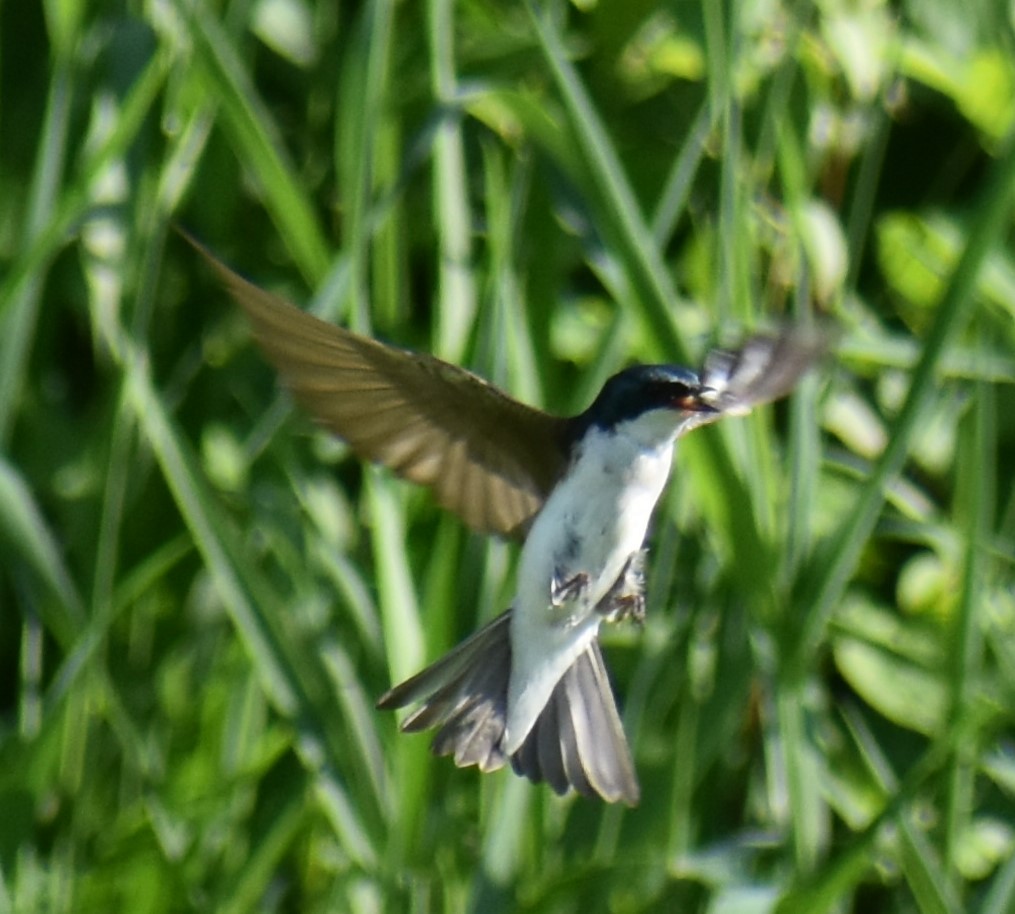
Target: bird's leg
564	589
626	598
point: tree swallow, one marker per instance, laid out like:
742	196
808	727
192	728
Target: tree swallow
530	687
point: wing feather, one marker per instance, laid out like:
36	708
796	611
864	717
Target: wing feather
488	458
764	368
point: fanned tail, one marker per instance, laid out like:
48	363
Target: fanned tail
465	694
577	741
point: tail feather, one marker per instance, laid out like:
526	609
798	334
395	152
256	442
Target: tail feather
577	742
597	723
439	679
473	728
465	694
473	738
549	741
570	754
579	739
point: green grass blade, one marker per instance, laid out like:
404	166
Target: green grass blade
839	557
1000	899
977	473
278	673
677	189
362	90
456	287
19	312
223	77
27	535
659	299
76	198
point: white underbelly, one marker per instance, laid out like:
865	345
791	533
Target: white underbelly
590	526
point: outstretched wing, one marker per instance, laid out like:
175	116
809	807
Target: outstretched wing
763	369
487	457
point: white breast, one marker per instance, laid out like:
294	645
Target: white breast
596	517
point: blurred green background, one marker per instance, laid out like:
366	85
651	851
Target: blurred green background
201	594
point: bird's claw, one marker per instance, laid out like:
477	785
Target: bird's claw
562	590
626	598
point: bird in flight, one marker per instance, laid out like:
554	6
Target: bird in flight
530	688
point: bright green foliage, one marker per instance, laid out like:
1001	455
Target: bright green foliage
201	595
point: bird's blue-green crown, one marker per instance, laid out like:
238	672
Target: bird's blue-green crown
637	390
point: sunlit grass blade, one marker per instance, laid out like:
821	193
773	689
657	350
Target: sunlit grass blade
27	536
266	855
976	467
837	876
456	285
400	615
133	584
809	813
362	88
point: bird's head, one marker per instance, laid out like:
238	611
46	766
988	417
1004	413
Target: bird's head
659	401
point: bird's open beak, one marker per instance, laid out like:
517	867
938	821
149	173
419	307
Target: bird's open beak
698	401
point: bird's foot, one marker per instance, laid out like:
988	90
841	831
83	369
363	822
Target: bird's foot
564	589
623	607
626	598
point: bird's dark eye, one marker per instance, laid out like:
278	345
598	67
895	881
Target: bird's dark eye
675	395
662	395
